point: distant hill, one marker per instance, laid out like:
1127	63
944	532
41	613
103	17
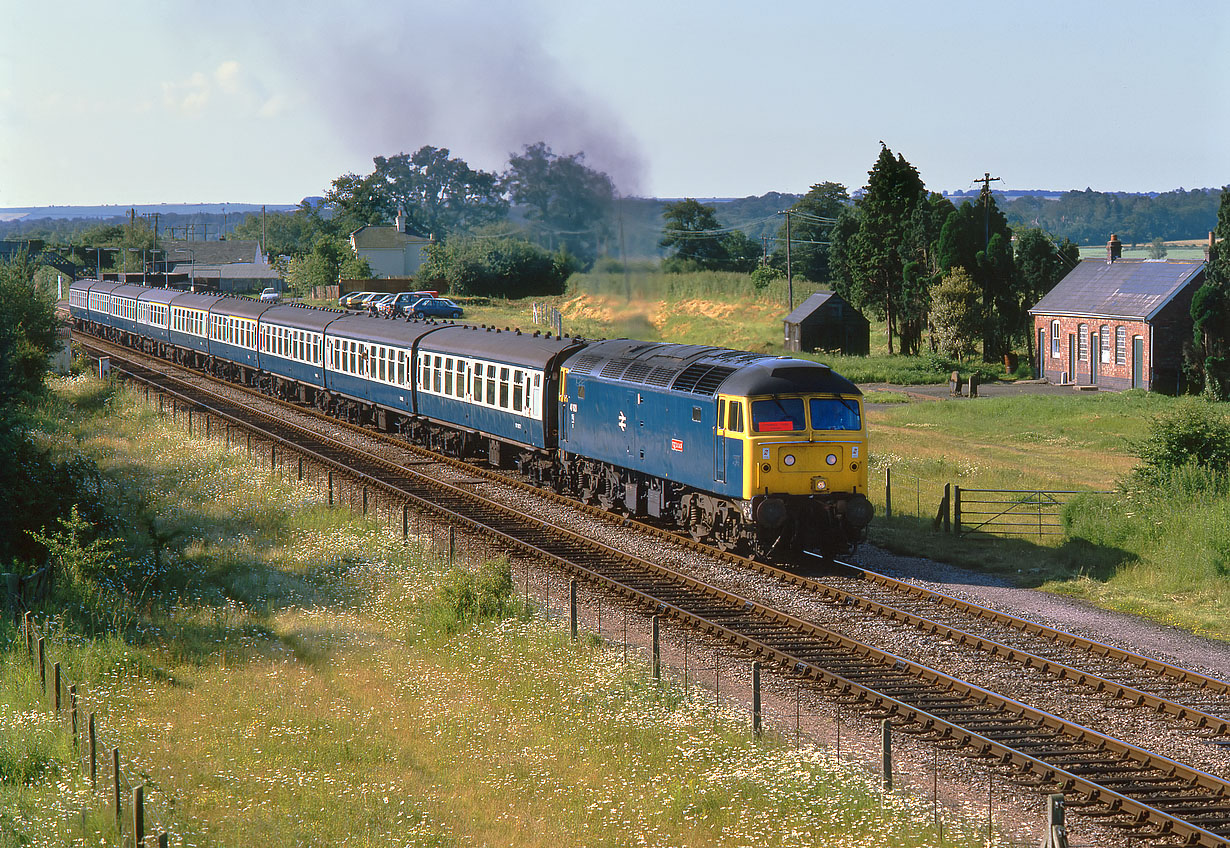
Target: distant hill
34	213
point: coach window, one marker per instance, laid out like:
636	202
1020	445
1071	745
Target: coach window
448	376
491	385
459	378
517	390
1056	343
503	388
477	391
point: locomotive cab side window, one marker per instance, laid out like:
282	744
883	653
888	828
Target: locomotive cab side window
734	417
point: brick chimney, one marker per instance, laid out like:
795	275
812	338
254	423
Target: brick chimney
1114	248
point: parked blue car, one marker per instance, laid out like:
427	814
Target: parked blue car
434	307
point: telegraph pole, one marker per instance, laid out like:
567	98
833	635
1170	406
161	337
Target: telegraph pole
985	198
789	274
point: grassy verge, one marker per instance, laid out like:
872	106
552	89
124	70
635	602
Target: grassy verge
1160	553
291	675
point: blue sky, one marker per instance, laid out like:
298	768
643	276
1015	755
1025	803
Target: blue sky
267	102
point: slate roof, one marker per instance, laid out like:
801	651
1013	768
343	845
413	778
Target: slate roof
808	306
375	238
1126	288
211	252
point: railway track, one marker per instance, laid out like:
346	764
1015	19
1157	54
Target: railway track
1161	797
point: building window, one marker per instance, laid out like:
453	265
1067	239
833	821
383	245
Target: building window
1104	343
1121	345
1056	349
1082	343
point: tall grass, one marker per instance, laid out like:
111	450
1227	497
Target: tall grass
299	676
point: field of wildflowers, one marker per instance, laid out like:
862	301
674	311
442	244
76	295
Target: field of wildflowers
285	681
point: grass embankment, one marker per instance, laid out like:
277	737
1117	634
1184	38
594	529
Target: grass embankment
291	678
1161	552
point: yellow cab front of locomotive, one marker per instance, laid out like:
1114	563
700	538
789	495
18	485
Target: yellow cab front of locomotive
799	444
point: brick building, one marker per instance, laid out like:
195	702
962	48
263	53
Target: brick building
1118	323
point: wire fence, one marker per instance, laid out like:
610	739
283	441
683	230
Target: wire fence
705	668
116	785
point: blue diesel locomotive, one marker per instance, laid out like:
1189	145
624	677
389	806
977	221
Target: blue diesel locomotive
760	454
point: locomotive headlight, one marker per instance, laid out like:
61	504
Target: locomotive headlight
831	459
788	459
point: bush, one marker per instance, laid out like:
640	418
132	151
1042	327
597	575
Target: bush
1194	432
503	267
764	275
466	597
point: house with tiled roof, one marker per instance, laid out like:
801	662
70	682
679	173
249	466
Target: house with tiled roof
1118	323
391	251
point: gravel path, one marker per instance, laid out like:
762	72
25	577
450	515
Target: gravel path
1210	656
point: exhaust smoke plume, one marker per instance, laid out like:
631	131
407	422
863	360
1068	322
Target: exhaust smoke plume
470	76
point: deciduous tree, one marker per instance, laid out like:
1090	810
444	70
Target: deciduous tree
568	202
956	314
699	243
812	219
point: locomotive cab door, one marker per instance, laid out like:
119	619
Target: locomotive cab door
719	443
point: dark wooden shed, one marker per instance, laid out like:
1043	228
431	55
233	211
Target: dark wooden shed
825	321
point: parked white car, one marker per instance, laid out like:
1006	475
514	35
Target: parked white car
271	296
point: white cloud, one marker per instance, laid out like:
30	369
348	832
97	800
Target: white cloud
188	97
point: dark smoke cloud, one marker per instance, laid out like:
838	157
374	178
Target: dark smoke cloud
470	76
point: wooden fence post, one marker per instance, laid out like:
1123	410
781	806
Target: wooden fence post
138	816
755	697
657	656
55	679
93	754
72	711
117	795
886	753
888	492
956	510
572	606
42	663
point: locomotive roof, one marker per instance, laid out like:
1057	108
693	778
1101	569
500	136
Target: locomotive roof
704	370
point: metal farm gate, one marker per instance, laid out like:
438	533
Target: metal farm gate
1010	512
